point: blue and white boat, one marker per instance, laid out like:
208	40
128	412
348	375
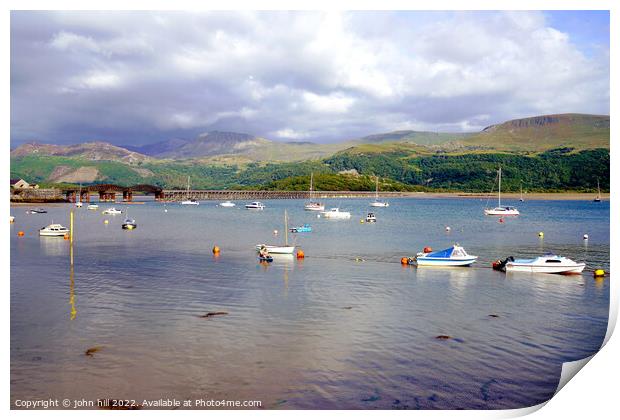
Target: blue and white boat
304	228
455	256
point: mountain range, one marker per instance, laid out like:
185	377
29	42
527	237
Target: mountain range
219	158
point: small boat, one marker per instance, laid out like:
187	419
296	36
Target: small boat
550	264
371	218
455	256
189	201
111	210
36	211
378	203
304	228
12	219
521	195
278	249
227	204
499	210
335	213
313	205
597	199
255	205
53	230
266	258
93	206
78	204
129	224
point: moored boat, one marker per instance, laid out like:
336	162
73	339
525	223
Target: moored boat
12	218
36	211
501	210
549	264
313	205
189	201
264	249
227	203
335	213
129	224
304	228
378	203
111	210
455	256
371	218
54	229
92	206
597	199
255	205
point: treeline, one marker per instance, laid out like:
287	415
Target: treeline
554	170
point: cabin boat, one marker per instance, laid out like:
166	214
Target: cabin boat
227	204
335	213
278	249
129	224
378	203
455	256
36	211
313	205
93	206
371	218
12	219
255	205
78	204
112	210
550	264
304	228
53	230
189	201
499	210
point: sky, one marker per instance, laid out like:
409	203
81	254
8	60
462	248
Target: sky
133	78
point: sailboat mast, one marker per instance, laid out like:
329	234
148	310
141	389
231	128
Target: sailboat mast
188	187
377	188
285	229
499	191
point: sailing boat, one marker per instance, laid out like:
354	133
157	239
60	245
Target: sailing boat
521	196
597	199
189	201
279	249
313	205
78	202
378	203
499	210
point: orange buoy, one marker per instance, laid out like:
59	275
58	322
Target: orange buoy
428	249
66	236
216	249
404	260
20	233
300	254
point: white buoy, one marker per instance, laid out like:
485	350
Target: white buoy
275	232
318	216
585	236
165	210
447	228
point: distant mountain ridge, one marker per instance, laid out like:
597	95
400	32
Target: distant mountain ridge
96	150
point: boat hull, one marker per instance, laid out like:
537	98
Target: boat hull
273	249
227	204
314	208
54	233
546	269
444	262
379	204
495	212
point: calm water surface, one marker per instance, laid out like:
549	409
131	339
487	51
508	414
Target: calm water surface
348	327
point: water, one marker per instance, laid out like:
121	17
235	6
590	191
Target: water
347	327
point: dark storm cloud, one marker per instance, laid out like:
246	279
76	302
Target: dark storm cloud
139	77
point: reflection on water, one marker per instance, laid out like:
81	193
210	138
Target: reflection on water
346	327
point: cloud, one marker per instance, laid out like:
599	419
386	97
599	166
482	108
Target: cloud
138	77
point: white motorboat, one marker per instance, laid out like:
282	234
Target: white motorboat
255	205
499	210
378	203
335	213
279	249
111	210
78	204
550	264
227	204
371	218
36	211
313	205
53	230
455	256
189	201
93	206
12	219
129	224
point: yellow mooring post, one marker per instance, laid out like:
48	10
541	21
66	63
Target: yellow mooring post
71	236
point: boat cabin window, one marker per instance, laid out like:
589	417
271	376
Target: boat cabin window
553	261
458	253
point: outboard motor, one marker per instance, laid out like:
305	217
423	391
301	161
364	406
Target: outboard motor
500	265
